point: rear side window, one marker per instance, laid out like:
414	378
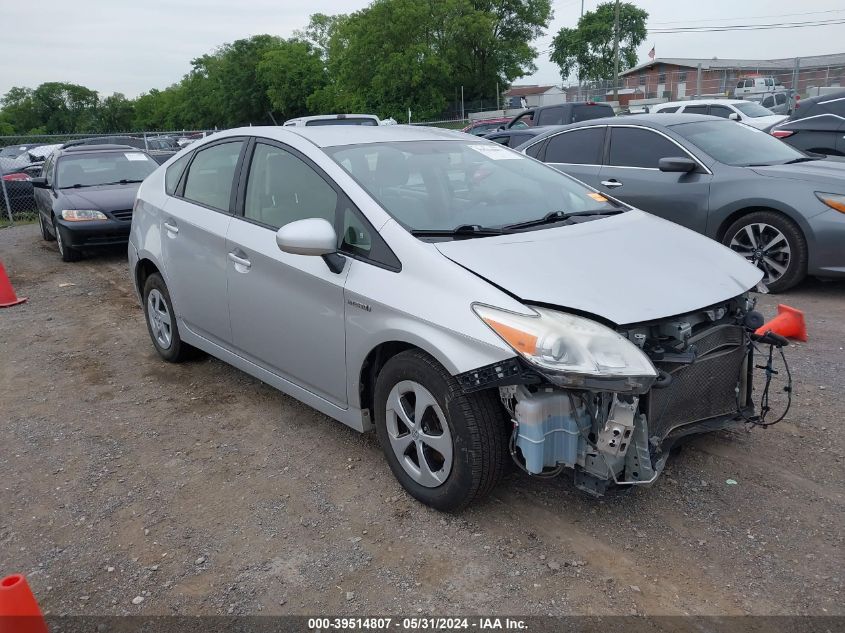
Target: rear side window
174	174
210	176
780	98
636	147
579	147
552	116
668	110
587	112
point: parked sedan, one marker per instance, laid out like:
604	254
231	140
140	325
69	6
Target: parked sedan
86	194
472	305
745	112
817	125
782	210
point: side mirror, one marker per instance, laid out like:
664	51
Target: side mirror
677	164
314	236
40	182
733	116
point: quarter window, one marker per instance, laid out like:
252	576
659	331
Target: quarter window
636	147
210	176
174	174
579	147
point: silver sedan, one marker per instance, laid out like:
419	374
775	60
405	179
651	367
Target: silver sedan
472	305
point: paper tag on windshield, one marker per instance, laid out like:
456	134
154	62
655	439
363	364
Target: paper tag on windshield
135	156
496	152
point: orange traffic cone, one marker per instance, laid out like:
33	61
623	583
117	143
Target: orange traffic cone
7	293
19	612
789	323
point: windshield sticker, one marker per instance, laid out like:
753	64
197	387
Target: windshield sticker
135	156
496	152
597	196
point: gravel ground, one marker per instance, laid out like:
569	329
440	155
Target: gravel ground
132	486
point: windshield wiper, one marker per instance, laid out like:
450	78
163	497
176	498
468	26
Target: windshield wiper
464	230
554	217
76	186
800	159
123	181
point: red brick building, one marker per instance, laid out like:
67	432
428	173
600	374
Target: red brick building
676	78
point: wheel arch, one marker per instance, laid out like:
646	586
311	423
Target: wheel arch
143	269
747	209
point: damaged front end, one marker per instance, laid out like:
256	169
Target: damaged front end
610	404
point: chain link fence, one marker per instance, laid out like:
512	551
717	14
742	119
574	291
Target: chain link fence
22	158
714	79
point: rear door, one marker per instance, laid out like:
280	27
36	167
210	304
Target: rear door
631	173
577	153
194	225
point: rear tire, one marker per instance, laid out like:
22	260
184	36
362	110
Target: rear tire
457	451
161	321
774	244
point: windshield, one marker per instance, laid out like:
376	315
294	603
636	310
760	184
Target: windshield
753	110
738	145
441	185
94	168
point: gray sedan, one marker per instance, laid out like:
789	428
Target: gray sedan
780	208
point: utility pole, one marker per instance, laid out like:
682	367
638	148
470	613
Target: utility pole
616	53
579	67
462	103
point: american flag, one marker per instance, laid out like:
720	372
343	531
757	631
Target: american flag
651	52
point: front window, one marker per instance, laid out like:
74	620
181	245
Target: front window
107	168
752	110
444	185
738	145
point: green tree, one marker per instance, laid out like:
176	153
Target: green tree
115	114
588	49
291	72
65	108
19	110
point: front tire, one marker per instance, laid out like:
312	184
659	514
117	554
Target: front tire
774	244
445	447
68	253
45	232
161	321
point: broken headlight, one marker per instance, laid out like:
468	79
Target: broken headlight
572	351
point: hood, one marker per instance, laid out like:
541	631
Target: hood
765	122
108	198
626	268
828	172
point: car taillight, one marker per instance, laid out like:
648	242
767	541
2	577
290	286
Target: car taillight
18	176
782	133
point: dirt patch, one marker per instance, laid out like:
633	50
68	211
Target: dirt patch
205	491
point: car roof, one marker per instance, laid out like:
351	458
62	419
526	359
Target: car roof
700	102
329	117
656	121
337	135
105	147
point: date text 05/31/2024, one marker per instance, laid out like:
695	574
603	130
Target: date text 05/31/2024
415	624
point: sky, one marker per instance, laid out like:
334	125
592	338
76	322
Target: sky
130	46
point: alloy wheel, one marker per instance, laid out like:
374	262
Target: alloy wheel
419	434
764	246
160	319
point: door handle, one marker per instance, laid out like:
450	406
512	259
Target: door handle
240	261
172	228
612	183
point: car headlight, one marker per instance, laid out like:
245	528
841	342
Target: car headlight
833	200
82	215
572	351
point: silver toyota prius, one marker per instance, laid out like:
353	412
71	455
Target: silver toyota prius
471	304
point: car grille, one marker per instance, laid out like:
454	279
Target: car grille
123	214
706	388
